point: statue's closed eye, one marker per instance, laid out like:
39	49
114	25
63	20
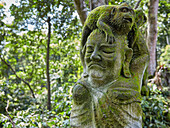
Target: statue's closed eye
90	49
108	51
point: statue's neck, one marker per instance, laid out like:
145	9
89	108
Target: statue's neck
101	84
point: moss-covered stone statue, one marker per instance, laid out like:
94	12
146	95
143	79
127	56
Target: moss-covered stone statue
114	62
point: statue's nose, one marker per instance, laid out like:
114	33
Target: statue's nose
95	56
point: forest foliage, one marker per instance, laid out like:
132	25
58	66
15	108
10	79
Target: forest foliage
23	64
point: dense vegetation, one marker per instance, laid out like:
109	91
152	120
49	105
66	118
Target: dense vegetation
23	50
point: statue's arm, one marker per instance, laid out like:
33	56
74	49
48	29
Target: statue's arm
103	25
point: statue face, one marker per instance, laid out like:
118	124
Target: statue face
103	60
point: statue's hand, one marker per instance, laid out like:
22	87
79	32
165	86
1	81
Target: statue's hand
107	29
110	38
80	94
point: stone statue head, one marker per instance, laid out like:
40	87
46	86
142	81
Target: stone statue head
105	61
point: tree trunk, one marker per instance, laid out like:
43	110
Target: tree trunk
152	34
82	9
96	3
10	67
47	64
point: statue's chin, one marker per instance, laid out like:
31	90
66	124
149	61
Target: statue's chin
96	78
96	74
126	29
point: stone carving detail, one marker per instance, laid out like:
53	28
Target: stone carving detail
114	62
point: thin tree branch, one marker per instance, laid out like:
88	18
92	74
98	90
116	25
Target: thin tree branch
47	64
9	115
18	76
137	4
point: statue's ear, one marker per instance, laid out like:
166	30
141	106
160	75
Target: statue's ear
127	59
82	55
140	18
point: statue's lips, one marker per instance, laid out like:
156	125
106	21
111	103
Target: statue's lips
127	19
95	65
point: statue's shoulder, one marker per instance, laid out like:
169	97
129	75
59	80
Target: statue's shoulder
124	83
124	91
81	93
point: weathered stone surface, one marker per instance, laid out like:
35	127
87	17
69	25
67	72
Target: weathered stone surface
108	94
